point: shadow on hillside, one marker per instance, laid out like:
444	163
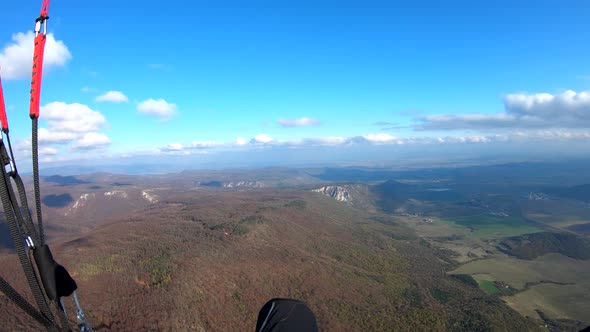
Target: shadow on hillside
5	240
58	201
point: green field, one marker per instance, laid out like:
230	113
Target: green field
562	221
467	236
438	228
488	286
487	283
557	301
561	213
551	283
486	226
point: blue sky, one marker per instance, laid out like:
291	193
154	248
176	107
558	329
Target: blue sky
194	77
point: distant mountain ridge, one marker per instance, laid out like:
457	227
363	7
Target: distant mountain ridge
64	180
531	246
387	196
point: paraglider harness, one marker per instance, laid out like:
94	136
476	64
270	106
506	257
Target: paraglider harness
28	239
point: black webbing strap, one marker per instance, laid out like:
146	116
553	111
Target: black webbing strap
35	150
26	223
55	279
22	195
63	318
17	238
26	212
12	294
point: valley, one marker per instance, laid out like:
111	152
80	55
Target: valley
525	243
442	249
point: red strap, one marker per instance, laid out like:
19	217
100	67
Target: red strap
40	38
45	9
37	75
3	110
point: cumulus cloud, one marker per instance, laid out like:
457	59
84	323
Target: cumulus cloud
569	109
203	144
307	142
47	151
379	138
241	141
173	147
73	118
383	140
301	122
17	57
157	107
531	136
387	139
73	124
469	121
59	137
189	148
91	141
261	139
324	140
113	97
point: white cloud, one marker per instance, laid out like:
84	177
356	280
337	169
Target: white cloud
379	138
241	141
72	124
75	117
92	140
568	106
174	147
324	141
17	57
113	97
47	151
203	144
301	122
193	147
159	107
23	148
59	137
261	138
462	139
309	142
520	136
566	110
467	121
374	141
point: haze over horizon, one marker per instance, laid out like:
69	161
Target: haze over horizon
389	165
264	83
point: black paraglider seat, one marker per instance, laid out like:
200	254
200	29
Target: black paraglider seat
286	315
